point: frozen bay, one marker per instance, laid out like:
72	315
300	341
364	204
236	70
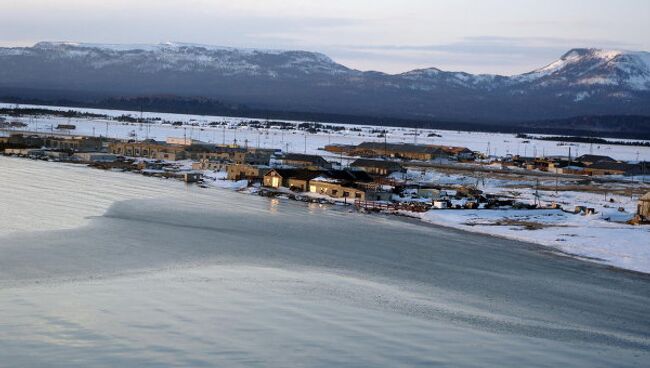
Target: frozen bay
132	271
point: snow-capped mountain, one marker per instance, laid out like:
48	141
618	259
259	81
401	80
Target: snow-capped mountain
581	82
596	67
186	57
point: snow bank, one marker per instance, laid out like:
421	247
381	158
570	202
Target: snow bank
614	243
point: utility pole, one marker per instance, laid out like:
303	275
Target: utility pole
385	144
305	142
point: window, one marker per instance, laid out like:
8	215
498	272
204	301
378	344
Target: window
275	182
334	192
357	195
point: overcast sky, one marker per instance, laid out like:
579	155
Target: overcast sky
478	36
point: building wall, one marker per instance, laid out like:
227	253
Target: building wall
239	172
272	180
148	150
644	207
298	184
336	190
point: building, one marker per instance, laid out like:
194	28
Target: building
378	195
643	208
612	168
377	167
94	157
152	149
303	161
335	188
333	183
74	144
25	152
253	156
211	164
248	172
573	169
399	150
294	179
592	159
21	141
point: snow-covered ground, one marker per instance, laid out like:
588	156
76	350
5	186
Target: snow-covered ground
300	141
592	237
604	236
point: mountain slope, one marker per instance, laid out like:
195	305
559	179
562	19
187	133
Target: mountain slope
581	82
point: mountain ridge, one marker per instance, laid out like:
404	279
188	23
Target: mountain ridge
581	82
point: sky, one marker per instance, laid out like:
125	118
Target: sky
477	36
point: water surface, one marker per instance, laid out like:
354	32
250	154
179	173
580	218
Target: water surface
158	274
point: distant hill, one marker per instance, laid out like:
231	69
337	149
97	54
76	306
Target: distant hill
583	82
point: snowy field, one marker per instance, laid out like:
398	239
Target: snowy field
299	141
603	237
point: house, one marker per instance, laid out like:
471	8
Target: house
21	141
458	153
295	179
303	161
74	144
643	208
335	188
189	176
149	148
432	193
440	204
334	183
342	184
612	168
94	157
25	152
574	168
400	150
377	167
248	172
592	159
253	157
378	195
211	164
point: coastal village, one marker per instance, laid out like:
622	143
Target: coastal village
586	203
379	177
